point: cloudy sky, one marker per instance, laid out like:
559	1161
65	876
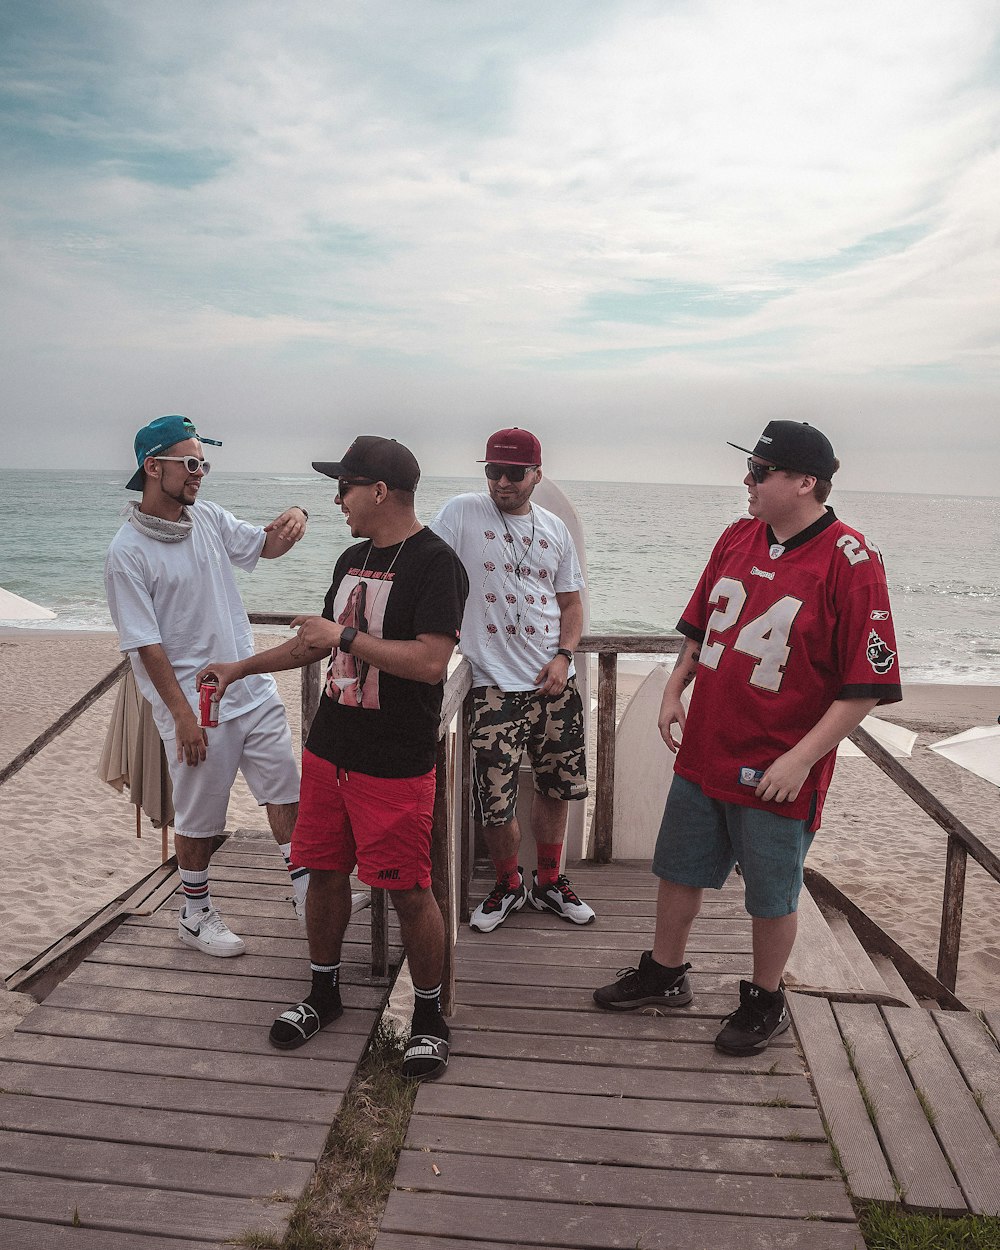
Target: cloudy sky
638	228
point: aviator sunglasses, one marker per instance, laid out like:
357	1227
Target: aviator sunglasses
512	472
759	472
191	463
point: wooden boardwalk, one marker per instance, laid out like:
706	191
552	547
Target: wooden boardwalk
141	1106
560	1125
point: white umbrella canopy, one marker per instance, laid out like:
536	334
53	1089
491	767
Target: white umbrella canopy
977	749
14	608
897	739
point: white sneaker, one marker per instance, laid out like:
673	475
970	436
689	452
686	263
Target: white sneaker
497	906
559	898
208	932
299	907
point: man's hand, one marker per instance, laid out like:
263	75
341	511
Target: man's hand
316	634
192	740
671	713
782	782
553	677
223	675
289	527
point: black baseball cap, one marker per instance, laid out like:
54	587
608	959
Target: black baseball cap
795	445
375	458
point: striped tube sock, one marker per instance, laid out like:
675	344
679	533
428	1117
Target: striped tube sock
549	855
427	1014
506	870
299	876
196	895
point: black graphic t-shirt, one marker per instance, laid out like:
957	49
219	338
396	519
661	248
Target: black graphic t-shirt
368	720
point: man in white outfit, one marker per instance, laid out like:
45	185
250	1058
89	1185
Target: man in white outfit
174	601
523	620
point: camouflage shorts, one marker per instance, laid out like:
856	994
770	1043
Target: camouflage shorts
505	724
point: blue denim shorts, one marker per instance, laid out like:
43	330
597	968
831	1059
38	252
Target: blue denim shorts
701	839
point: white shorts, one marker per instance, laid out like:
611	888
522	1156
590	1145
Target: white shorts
259	745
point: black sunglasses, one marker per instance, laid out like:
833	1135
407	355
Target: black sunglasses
512	472
344	484
759	471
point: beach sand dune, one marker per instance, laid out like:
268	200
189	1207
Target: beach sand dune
68	844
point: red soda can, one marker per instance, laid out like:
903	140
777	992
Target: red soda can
208	704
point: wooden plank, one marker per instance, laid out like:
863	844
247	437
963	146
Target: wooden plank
74	997
608	1185
166	1092
975	1052
893	980
817	961
958	1123
625	1082
25	1235
275	992
581	976
708	1005
675	1026
651	1056
585	1227
654	1115
725	936
157	1031
406	1241
909	1144
165	1167
851	1131
857	956
183	1130
599	959
280	1071
247	967
201	1217
684	1151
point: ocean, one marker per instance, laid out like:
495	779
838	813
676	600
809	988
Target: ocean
646	546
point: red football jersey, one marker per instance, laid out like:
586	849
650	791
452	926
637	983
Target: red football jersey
785	629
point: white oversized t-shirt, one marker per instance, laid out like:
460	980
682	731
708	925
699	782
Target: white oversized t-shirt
516	566
184	596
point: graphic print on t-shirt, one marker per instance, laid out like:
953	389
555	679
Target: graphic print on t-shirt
360	604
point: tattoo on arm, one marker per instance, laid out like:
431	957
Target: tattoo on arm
688	659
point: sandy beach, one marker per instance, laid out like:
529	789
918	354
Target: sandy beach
68	842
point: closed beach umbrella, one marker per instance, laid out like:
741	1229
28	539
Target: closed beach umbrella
977	749
14	608
133	756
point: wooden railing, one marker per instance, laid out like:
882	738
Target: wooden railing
452	843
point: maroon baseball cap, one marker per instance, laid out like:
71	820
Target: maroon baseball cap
512	446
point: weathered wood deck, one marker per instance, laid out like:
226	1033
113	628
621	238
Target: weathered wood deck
141	1105
561	1125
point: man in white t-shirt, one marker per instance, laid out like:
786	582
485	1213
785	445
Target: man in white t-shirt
523	620
174	601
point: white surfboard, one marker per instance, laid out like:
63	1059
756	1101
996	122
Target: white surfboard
644	769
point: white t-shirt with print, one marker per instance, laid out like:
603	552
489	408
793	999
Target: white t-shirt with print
184	596
516	566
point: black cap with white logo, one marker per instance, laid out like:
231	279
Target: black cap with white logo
795	445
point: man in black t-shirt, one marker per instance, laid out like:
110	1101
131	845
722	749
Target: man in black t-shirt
390	623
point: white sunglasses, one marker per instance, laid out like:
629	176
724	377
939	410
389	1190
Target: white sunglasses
191	463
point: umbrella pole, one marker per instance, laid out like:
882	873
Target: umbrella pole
138	822
163	845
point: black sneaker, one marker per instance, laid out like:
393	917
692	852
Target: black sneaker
645	987
497	905
760	1016
559	898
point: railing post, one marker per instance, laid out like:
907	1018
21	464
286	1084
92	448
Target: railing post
380	933
604	801
312	677
464	823
441	873
951	914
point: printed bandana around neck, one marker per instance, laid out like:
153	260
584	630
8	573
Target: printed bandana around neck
156	527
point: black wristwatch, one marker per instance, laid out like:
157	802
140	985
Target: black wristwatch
347	636
566	652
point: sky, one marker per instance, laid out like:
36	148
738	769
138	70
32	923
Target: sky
639	229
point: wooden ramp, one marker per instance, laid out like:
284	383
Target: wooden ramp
561	1125
141	1106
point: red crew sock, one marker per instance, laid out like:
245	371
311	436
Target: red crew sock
507	871
549	855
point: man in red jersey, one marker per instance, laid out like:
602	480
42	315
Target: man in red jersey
790	635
